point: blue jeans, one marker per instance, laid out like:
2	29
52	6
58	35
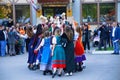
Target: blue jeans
2	48
116	47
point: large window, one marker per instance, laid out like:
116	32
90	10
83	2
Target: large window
22	13
107	12
89	13
5	11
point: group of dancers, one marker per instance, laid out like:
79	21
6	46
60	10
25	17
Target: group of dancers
55	49
55	52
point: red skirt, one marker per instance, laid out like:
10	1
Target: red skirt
79	49
58	64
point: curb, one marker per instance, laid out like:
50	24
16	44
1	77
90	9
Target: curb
102	52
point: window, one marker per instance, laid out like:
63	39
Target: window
48	12
22	13
107	12
89	12
5	11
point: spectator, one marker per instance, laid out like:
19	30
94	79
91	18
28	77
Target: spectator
11	41
115	38
2	42
103	36
86	37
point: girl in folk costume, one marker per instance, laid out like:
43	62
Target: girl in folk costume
45	63
34	38
58	54
69	50
38	39
79	50
31	55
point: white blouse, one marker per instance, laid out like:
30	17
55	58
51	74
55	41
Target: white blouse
54	41
76	35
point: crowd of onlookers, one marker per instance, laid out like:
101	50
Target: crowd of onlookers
107	35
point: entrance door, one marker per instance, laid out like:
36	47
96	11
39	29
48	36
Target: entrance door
53	11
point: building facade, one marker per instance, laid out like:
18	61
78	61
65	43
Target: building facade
21	11
97	11
91	11
55	7
118	11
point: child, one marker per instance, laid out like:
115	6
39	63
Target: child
22	32
69	50
45	63
58	54
79	50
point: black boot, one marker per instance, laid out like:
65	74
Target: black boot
54	74
38	66
80	67
50	72
60	74
34	67
44	72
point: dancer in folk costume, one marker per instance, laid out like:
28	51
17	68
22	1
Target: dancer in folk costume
31	46
58	54
38	39
45	64
67	37
79	50
34	38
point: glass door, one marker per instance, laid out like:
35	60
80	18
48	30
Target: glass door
53	11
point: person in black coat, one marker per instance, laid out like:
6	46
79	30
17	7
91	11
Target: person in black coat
67	38
103	36
86	37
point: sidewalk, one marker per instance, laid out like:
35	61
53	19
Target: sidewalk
102	52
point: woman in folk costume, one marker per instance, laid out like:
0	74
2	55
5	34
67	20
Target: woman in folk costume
31	55
63	16
79	50
34	39
68	35
45	64
58	54
38	39
57	21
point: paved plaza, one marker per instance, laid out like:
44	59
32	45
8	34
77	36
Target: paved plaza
98	67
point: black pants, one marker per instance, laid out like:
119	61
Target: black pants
17	49
86	43
102	42
27	43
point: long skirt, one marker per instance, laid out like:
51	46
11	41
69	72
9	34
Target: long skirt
58	59
45	63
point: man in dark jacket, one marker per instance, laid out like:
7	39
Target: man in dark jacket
103	36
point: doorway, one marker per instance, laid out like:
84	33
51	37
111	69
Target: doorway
53	11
